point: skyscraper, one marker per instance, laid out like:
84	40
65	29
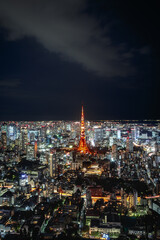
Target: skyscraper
24	138
129	145
30	152
114	152
4	139
12	132
52	163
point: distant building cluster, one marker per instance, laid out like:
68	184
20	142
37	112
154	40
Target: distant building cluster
80	180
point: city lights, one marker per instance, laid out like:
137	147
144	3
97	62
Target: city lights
79	120
92	172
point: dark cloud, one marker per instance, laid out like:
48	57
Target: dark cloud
56	54
10	83
65	27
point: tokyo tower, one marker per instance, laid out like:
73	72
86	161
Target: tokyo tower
83	148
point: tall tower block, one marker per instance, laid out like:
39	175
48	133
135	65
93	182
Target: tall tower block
83	148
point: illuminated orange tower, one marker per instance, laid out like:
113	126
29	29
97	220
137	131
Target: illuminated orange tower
83	148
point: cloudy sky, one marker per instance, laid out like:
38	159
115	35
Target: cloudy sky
54	55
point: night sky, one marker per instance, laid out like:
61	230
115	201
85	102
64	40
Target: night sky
56	54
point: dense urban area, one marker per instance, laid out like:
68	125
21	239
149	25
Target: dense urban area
51	189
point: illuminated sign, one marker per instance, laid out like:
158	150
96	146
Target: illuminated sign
23	176
105	236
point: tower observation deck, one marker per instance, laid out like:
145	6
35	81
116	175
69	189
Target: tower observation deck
83	148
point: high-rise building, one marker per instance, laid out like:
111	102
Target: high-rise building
23	179
24	138
68	127
33	135
30	152
114	152
158	188
129	145
111	141
156	147
12	132
52	163
43	133
4	139
119	134
4	127
98	134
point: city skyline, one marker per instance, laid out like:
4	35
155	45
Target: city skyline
79	120
80	180
97	52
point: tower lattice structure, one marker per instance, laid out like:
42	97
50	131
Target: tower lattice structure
83	148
